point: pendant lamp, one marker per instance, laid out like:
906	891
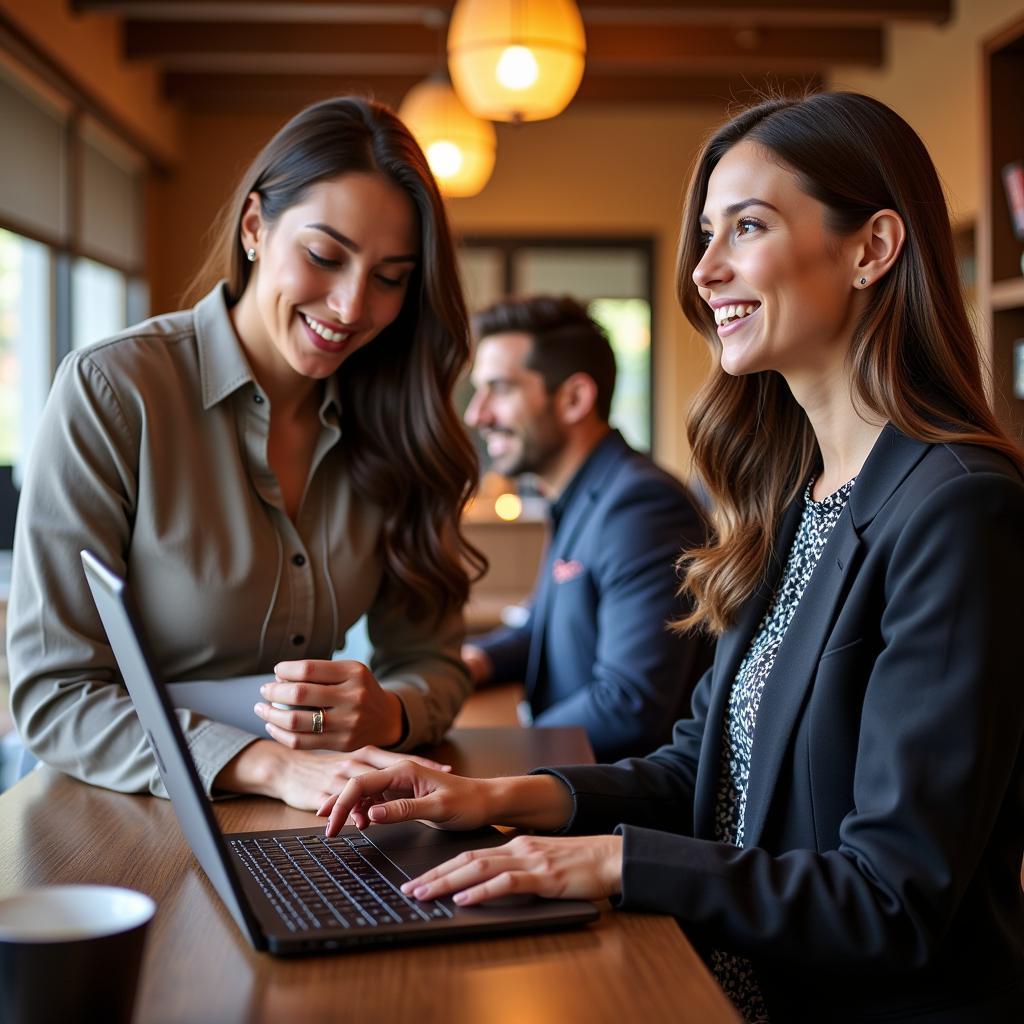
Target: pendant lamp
516	60
459	147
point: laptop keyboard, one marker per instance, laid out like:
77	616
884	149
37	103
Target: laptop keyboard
313	883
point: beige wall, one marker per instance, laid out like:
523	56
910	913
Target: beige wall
184	205
88	47
933	78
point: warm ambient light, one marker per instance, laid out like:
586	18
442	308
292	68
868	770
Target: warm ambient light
516	60
459	147
508	507
445	159
517	68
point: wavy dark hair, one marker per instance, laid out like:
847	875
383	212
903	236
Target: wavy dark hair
406	449
913	359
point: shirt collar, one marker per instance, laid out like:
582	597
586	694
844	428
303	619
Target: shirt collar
223	368
330	406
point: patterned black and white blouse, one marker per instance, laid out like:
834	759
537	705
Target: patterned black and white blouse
735	973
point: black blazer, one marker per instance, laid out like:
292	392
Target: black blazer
885	815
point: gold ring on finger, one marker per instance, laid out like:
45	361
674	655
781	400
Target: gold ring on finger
318	721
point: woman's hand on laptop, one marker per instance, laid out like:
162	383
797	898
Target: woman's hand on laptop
354	708
305	778
410	790
556	867
577	867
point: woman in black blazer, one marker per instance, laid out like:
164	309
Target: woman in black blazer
840	825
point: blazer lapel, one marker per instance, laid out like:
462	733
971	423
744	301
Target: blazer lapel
893	456
794	668
729	652
597	473
539	616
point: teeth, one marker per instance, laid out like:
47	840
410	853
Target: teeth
325	332
726	313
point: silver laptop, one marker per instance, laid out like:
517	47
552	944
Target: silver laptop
293	890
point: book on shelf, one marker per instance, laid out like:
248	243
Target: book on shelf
1013	185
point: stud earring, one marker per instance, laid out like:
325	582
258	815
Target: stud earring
250	255
863	280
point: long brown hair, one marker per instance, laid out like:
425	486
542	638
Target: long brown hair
406	449
913	358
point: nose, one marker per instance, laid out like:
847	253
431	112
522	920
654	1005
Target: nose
347	298
711	268
476	410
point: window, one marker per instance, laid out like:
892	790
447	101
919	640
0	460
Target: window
99	303
25	356
64	282
33	192
628	323
25	361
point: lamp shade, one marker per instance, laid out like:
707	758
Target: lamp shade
459	147
516	60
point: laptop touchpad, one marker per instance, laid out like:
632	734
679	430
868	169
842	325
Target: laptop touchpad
415	847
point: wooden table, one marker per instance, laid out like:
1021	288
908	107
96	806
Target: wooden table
199	969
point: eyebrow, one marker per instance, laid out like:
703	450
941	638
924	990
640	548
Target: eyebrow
490	383
353	247
734	208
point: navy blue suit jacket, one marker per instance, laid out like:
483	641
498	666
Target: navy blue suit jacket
595	650
885	814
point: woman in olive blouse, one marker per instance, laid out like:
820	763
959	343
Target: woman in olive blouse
266	467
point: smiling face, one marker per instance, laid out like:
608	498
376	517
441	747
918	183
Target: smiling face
779	281
511	408
331	273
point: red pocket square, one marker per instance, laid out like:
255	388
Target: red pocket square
562	571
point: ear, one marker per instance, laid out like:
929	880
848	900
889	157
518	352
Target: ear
250	225
881	242
576	398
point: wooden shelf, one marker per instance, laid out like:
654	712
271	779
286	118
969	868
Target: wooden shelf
1001	285
1008	294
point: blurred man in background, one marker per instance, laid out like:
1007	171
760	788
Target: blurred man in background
595	650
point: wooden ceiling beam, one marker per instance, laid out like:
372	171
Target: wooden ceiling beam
721	45
254	93
767	12
692	88
820	12
290	92
166	40
213	46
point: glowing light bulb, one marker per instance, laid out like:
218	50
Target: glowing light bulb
508	507
516	60
445	158
517	68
